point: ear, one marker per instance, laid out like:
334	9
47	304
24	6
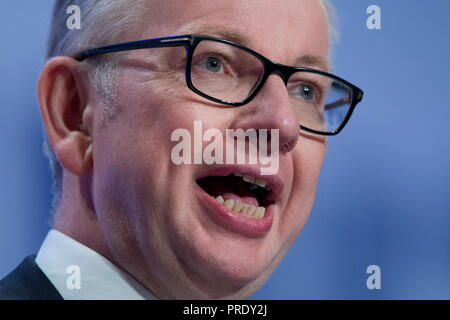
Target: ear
67	116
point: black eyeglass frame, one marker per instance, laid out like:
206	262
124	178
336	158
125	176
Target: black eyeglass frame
190	42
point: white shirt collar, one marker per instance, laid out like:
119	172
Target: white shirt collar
61	257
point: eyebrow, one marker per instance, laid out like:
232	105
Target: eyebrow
307	60
314	61
223	33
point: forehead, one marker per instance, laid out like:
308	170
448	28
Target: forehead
280	29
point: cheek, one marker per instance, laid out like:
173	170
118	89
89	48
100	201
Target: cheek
307	160
132	151
136	183
132	155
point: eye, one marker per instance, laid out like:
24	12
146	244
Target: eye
305	92
211	64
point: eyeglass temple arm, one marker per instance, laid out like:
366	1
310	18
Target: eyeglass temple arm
343	101
133	45
338	103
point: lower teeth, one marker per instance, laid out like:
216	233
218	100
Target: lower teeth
245	209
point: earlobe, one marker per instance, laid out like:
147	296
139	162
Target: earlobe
64	103
74	152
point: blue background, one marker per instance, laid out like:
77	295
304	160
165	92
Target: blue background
384	192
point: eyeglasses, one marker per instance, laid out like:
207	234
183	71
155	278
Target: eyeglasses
231	74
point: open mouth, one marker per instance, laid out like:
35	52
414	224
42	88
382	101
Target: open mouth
242	194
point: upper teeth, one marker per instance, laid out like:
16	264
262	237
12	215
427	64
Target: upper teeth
250	179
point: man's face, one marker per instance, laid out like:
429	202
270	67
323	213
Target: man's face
157	222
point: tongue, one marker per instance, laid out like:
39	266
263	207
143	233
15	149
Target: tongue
228	189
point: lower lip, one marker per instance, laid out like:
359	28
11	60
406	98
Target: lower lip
236	222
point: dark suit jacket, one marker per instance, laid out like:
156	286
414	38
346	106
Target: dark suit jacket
28	282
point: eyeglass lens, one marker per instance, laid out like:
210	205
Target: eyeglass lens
230	74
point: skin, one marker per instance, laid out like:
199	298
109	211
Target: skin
123	196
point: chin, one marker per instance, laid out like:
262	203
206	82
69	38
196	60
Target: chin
222	264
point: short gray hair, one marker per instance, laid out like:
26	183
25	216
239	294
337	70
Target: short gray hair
333	33
121	17
102	22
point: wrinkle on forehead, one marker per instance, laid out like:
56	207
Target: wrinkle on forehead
288	32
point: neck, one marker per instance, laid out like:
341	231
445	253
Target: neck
76	216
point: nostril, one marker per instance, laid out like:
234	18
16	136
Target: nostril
288	146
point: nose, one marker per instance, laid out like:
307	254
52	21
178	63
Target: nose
271	109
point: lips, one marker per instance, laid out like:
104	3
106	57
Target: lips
273	182
239	198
